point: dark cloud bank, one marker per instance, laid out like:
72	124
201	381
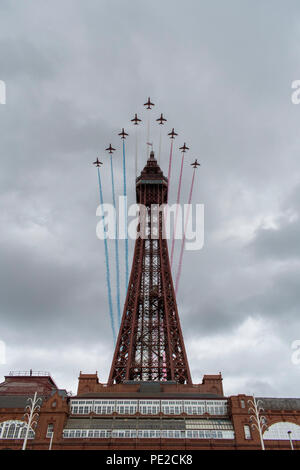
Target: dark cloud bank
76	72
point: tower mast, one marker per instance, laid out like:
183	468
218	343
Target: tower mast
150	345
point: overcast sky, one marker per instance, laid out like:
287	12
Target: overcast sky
221	72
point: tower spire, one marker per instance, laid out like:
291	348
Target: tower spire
150	345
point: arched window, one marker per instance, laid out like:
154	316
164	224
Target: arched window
14	430
279	432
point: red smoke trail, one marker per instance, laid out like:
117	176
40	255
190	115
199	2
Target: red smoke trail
148	132
169	178
177	203
183	239
170	165
159	147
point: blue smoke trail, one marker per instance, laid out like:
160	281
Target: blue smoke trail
107	265
116	242
125	221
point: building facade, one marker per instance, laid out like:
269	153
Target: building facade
141	416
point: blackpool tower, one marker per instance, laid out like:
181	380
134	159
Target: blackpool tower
150	345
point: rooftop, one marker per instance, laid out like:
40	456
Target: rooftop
27	383
28	373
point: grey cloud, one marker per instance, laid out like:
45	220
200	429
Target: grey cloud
76	73
282	243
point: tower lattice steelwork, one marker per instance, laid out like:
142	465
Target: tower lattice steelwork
150	344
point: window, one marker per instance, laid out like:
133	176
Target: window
247	432
199	407
279	431
126	407
149	407
216	407
171	407
14	430
148	434
82	406
104	407
242	403
50	430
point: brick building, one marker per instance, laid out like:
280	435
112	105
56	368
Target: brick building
145	415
